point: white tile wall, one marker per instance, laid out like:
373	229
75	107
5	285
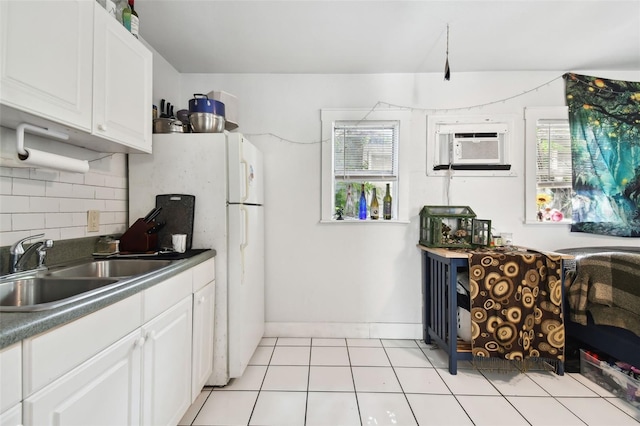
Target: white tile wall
54	202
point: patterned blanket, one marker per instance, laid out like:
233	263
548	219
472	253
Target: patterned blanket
608	286
516	305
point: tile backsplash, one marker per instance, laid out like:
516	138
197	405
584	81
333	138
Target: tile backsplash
56	203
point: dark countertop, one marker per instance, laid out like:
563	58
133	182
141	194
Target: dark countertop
16	326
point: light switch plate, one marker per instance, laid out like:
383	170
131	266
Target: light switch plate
93	220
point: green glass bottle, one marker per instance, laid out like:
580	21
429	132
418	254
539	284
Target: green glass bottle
386	205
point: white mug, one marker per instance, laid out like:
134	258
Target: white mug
179	242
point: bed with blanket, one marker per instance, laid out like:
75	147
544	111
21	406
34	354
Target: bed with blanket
602	300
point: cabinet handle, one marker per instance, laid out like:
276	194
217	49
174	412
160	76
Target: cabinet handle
139	342
102	127
151	335
201	299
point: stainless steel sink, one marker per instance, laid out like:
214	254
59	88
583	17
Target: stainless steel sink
110	268
40	290
40	293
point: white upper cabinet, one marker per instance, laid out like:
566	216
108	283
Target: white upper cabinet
122	89
75	69
47	59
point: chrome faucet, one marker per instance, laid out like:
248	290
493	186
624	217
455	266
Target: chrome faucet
19	254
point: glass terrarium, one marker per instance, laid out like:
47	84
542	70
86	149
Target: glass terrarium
446	226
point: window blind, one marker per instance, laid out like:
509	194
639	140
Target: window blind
365	150
553	153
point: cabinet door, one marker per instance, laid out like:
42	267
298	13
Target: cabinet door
46	59
203	303
11	376
105	390
122	85
167	366
12	417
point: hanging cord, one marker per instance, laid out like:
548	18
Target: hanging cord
447	70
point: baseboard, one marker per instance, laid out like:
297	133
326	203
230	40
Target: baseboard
344	330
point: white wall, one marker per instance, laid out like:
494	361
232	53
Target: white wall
364	279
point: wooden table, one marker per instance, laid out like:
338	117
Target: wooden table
439	309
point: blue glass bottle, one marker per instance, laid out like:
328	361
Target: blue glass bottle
362	205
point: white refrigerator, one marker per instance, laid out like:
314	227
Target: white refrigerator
224	172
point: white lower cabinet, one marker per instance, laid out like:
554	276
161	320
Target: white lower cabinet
202	364
140	361
12	417
166	385
145	378
106	390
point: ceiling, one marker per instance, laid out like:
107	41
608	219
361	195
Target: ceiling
366	36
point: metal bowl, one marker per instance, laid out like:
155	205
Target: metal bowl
205	122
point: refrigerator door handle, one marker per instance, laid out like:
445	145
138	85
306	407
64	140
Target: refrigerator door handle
246	179
245	236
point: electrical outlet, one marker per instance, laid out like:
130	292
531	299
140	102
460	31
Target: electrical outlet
93	220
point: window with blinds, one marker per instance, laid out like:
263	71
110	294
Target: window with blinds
553	166
365	155
362	149
553	154
365	151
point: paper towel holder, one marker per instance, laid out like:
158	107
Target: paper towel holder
47	160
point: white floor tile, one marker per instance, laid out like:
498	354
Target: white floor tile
368	357
279	408
327	355
592	385
291	355
597	411
625	406
294	341
514	383
490	411
227	408
467	382
543	411
407	357
440	359
193	410
261	356
376	343
336	379
332	408
385	409
441	410
286	378
421	380
268	341
399	343
560	385
328	342
251	379
375	379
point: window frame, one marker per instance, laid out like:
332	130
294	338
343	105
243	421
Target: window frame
401	189
531	117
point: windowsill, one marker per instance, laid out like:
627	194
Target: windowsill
358	221
547	222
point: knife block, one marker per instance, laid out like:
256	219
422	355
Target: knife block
137	240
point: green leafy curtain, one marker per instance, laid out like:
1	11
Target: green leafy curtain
604	118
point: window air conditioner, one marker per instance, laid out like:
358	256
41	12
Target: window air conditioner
472	146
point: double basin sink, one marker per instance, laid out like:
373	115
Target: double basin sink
39	290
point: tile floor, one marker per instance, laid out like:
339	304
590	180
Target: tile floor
341	382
